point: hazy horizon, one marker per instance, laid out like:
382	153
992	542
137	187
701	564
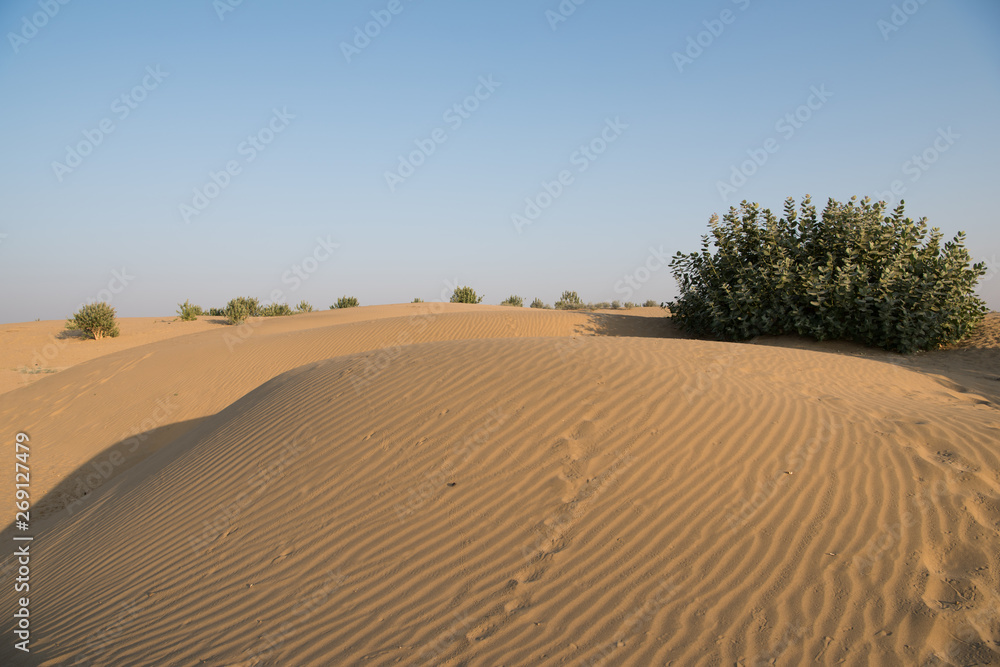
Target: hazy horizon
209	149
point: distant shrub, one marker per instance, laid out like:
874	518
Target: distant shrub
513	300
346	302
569	301
649	303
629	305
240	308
853	274
615	305
276	310
217	312
465	295
538	303
96	320
417	300
188	311
304	307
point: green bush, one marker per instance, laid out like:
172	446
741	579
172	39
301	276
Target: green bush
240	308
188	311
616	305
216	312
629	305
465	295
649	303
851	274
569	301
538	303
304	307
513	300
276	310
96	320
418	300
346	302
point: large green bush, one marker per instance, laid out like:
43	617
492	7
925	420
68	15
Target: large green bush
96	320
538	303
465	295
242	307
304	307
853	273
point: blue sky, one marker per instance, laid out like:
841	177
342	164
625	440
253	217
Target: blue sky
105	195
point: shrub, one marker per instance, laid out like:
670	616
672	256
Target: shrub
304	307
346	302
417	300
465	295
852	274
615	305
189	312
240	308
569	301
276	310
538	303
649	303
216	312
513	300
629	305
96	320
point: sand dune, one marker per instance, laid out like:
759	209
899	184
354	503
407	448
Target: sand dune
470	485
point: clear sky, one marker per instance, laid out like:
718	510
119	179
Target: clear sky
157	152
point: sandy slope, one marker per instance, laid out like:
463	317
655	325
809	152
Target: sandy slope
476	485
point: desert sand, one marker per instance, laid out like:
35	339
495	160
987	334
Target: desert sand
457	484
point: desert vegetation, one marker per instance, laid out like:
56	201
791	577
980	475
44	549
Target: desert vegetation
95	320
513	300
852	273
188	311
345	302
465	295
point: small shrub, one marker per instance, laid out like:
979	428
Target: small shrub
852	274
649	303
217	312
188	311
569	301
538	303
417	300
240	308
276	310
346	302
616	305
465	295
304	307
513	300
96	320
629	305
